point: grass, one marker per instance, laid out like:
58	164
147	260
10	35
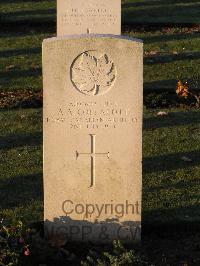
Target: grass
171	193
169	54
27	12
133	11
175	55
161	11
21	165
170	185
20	62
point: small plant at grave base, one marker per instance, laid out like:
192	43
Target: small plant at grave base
13	244
20	245
183	91
119	256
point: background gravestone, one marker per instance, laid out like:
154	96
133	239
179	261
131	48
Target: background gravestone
92	16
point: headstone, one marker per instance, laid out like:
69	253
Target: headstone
92	126
86	17
93	137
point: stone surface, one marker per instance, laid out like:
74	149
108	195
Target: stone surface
92	16
93	137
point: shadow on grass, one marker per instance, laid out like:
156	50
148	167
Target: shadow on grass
182	185
169	85
28	29
19	190
160	59
22	51
161	85
171	37
157	2
173	120
18	140
162	13
172	244
42	24
172	219
35	19
10	74
27	13
171	161
19	1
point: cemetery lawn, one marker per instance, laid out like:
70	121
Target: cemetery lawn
170	184
171	52
171	145
21	165
133	11
160	11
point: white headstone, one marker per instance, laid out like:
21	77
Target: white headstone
93	137
87	17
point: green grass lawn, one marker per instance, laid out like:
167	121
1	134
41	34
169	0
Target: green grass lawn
170	185
160	11
133	11
171	193
169	54
167	57
21	165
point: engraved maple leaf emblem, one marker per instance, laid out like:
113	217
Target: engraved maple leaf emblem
92	75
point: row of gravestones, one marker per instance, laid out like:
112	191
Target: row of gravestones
93	80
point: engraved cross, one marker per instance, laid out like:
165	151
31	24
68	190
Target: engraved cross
92	155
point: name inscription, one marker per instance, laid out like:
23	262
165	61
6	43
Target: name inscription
90	115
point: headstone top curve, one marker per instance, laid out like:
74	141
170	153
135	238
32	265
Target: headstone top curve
91	36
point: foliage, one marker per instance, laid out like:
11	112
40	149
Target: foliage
118	256
157	100
22	99
183	91
13	244
21	245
